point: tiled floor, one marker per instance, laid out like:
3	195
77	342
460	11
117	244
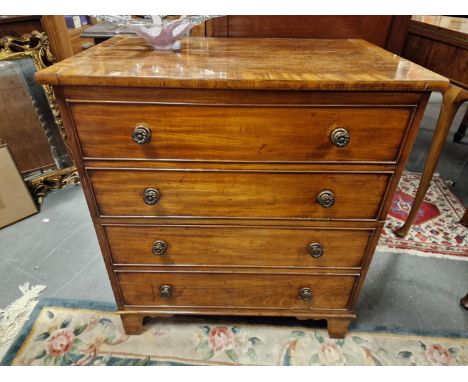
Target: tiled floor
58	248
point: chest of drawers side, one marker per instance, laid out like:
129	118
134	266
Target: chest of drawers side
74	144
406	150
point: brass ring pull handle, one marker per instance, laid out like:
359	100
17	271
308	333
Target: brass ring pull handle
305	294
165	292
315	250
340	137
141	134
159	247
151	196
326	199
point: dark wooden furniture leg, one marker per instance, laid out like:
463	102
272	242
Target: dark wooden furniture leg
338	327
462	129
464	302
132	323
452	100
464	219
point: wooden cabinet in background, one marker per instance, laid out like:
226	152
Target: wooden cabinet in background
440	44
388	32
65	42
19	25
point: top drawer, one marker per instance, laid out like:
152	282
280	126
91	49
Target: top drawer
265	133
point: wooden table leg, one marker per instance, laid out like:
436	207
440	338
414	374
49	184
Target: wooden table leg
452	100
464	219
462	129
132	323
464	302
338	327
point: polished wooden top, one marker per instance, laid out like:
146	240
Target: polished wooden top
240	63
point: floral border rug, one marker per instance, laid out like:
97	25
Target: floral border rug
436	231
78	333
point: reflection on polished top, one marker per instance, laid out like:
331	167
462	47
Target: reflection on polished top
237	63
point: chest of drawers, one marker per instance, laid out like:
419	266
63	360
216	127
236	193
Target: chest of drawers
239	177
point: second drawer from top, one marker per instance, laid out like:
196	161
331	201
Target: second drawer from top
238	194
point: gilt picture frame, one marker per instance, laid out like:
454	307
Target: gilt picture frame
20	58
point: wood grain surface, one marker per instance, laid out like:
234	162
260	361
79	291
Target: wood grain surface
236	290
220	63
240	149
386	31
236	246
250	133
238	194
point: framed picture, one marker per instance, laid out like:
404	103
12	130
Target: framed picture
31	123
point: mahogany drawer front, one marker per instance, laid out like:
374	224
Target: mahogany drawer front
238	290
236	246
237	194
230	133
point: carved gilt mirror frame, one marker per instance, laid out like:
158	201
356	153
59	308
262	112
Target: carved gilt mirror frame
35	46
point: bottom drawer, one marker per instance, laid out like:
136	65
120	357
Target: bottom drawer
236	290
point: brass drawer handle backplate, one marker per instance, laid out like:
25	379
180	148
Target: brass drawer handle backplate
340	137
165	292
326	199
141	134
305	294
159	247
151	196
315	250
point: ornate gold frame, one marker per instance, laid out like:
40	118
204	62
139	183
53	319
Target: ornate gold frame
36	46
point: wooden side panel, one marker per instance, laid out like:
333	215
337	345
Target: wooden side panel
386	31
19	25
397	34
439	47
449	61
57	33
73	142
418	49
374	29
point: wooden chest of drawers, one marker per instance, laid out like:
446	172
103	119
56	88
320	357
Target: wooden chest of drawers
240	177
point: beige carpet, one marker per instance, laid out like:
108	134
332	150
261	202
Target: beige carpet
78	336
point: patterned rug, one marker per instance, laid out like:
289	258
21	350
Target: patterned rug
436	231
88	333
